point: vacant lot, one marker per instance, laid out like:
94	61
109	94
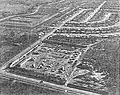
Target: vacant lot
107	58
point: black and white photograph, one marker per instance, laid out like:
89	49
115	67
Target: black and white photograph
59	47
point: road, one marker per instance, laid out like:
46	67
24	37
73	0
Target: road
79	58
28	50
89	28
60	26
36	44
37	9
94	34
44	84
104	19
107	16
39	83
13	16
41	24
95	11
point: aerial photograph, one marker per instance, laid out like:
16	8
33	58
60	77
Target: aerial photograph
59	47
